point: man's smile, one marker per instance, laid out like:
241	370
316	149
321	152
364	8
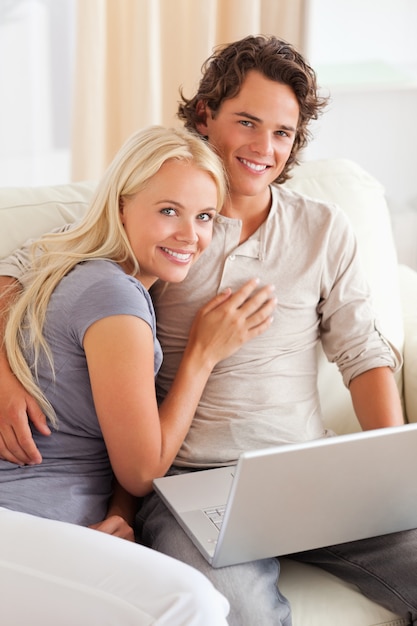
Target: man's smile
256	167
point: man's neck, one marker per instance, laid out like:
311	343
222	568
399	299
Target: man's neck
251	210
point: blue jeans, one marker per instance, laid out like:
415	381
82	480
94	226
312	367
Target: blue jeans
251	588
383	568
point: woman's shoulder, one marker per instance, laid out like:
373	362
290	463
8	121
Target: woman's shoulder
100	279
100	288
103	271
96	269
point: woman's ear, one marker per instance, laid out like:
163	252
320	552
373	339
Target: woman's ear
202	112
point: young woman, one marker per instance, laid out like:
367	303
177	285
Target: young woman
82	340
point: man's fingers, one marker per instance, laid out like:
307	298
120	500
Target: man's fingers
16	441
8	455
36	416
22	451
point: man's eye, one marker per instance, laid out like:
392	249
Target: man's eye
168	211
205	217
246	123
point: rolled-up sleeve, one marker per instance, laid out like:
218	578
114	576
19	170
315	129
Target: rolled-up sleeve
348	323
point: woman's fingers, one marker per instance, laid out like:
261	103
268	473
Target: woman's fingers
249	297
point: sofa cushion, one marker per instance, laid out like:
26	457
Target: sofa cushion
320	599
27	212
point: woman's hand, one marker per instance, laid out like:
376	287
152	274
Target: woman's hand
117	526
229	320
142	437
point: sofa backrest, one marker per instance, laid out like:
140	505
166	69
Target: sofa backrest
28	212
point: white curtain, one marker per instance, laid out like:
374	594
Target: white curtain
35	76
133	55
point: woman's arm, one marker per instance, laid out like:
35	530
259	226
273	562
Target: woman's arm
141	440
16	405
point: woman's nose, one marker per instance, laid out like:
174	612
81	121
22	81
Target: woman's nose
187	232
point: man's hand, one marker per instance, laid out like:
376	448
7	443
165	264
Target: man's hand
17	407
117	526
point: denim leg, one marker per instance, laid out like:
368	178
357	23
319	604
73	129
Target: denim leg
383	568
251	588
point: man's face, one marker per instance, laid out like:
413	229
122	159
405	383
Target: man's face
254	133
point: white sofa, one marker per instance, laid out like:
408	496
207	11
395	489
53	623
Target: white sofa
317	598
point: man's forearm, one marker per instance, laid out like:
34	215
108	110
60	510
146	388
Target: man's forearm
10	288
376	399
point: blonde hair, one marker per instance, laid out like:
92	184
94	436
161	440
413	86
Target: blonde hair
100	234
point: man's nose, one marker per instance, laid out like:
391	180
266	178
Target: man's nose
262	143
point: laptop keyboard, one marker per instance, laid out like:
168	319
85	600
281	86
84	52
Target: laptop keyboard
216	514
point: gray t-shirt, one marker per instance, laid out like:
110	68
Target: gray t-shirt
73	483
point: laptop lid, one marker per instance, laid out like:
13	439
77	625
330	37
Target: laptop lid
299	497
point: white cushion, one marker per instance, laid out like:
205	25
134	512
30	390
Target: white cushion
27	212
320	599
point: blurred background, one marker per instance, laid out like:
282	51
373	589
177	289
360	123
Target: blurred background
79	76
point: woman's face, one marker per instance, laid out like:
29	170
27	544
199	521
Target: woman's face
169	223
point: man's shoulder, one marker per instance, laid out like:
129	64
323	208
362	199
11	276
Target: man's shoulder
292	199
281	190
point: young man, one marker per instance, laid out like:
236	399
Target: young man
253	105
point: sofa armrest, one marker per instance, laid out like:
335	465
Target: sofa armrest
408	290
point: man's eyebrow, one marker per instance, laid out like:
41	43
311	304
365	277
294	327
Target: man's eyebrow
258	119
248	115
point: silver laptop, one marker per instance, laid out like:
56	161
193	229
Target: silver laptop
298	497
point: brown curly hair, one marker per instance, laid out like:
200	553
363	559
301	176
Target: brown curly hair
226	69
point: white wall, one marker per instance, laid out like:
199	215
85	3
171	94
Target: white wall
365	54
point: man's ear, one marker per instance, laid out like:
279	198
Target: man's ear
202	112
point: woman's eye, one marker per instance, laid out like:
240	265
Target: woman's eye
205	217
168	211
